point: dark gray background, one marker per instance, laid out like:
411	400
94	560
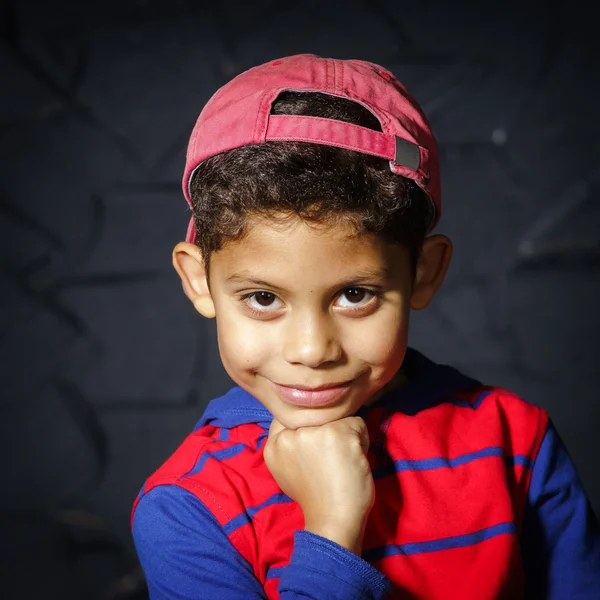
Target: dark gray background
105	366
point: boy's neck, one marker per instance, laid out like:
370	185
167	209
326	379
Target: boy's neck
398	380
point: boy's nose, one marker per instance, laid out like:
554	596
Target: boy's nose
311	340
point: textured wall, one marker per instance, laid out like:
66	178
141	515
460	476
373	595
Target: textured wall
104	365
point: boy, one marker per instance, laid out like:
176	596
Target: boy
344	465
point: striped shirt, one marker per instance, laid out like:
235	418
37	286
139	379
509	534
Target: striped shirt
476	498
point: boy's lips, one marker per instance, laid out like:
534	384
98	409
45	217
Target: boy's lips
322	395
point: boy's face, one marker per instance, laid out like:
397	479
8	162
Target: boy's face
302	306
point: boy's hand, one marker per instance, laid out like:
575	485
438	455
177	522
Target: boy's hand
325	470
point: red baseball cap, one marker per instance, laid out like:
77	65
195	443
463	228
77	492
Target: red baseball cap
239	114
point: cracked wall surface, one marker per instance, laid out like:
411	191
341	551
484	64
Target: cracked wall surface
106	367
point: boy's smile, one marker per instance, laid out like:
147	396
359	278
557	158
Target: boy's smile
313	397
312	319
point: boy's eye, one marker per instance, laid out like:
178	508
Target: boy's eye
356	297
261	302
355	294
264	298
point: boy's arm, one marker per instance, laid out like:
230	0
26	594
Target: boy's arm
186	556
183	551
561	536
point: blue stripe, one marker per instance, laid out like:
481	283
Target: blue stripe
460	402
458	541
521	460
428	464
261	439
475	404
275	572
223	454
223	434
248	514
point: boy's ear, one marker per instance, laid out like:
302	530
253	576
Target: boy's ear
431	269
189	264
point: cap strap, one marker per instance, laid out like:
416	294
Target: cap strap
331	133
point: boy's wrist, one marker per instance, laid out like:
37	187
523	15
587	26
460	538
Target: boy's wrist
346	533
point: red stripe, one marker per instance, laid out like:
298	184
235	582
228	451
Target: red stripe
449	431
420	506
494	571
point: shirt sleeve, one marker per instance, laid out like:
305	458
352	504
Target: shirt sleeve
561	536
186	555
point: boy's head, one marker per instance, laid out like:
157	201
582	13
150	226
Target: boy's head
313	184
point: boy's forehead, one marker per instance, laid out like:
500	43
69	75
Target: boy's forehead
290	234
299	249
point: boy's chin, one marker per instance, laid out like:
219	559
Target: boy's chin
295	419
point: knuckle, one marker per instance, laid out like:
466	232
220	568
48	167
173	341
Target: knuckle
330	436
286	441
303	436
360	422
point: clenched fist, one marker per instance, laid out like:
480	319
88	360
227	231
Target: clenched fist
325	470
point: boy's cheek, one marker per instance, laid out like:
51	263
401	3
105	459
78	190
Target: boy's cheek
243	346
377	343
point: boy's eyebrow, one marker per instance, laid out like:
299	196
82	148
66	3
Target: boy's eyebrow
362	276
